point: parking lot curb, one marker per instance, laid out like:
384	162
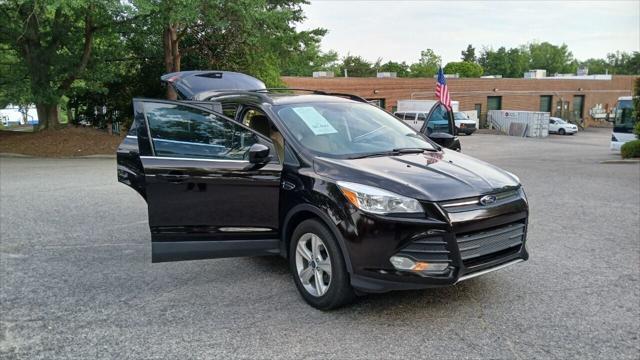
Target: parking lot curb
98	156
621	161
13	155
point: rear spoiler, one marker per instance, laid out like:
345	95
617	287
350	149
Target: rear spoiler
199	84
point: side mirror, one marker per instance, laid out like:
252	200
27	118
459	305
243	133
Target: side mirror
259	154
443	139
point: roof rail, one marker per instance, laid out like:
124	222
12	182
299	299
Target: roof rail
316	92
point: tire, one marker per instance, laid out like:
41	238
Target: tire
561	132
334	289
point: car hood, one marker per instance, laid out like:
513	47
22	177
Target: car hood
431	176
468	121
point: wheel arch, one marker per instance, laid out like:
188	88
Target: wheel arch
302	212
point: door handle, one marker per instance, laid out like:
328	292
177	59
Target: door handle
174	176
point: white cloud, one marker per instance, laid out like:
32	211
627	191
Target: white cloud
398	30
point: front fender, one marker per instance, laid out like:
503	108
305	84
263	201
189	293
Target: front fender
335	217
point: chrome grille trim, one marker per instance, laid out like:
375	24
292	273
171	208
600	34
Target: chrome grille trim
473	203
486	271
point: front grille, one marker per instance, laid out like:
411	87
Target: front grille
489	244
429	249
473	203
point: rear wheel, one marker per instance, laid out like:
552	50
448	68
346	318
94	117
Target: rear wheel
561	132
318	267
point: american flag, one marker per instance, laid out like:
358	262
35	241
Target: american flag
442	92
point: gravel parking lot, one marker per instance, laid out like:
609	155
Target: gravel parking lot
77	279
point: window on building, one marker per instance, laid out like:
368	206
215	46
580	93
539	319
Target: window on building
494	102
546	102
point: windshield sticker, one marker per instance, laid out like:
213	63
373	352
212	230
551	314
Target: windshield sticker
315	121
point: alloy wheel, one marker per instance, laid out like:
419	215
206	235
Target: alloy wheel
313	264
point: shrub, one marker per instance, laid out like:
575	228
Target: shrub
630	149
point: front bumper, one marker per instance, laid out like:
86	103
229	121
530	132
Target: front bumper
467	130
440	236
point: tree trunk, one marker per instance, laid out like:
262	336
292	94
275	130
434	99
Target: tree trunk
47	116
171	45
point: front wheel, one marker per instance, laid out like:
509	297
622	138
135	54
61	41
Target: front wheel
561	132
318	267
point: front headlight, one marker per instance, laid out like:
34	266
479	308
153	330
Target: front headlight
378	201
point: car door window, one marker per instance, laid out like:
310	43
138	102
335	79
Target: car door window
183	131
259	122
439	120
230	110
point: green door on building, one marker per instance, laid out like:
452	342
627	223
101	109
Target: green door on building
578	107
546	103
494	102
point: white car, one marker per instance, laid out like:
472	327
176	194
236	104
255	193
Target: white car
561	127
463	123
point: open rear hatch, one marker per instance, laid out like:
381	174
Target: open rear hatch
202	84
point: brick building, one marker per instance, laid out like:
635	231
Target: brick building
570	98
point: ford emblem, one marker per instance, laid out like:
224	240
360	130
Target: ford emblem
487	200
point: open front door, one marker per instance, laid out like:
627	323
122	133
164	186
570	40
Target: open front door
205	199
440	127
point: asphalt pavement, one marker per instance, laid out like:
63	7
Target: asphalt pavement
76	279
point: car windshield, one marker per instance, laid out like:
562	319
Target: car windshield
559	121
345	130
460	116
624	119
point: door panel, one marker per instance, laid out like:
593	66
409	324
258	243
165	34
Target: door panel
205	199
197	197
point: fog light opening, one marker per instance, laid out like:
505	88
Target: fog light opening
405	264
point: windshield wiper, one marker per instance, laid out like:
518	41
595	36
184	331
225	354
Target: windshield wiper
394	152
412	150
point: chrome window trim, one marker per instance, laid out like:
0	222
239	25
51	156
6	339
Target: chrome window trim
187	142
244	229
193	159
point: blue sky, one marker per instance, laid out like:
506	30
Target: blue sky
398	30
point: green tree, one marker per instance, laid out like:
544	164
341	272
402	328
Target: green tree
427	66
464	68
554	59
356	66
495	62
14	84
401	69
308	60
596	66
469	55
623	63
510	63
54	43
